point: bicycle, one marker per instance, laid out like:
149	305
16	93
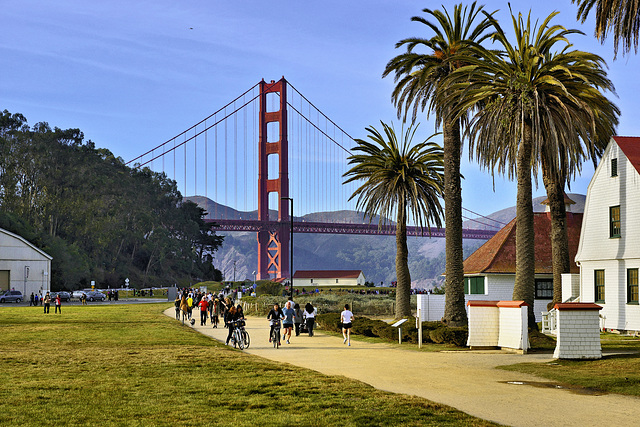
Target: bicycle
240	324
236	335
275	333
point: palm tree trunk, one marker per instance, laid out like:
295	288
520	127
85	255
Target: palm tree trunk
559	239
403	289
454	309
524	287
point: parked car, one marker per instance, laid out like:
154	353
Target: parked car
11	296
78	294
64	295
96	296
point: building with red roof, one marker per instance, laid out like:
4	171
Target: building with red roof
328	278
490	271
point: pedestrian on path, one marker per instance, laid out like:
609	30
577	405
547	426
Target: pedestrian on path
204	305
310	317
287	323
184	307
298	318
31	299
177	305
346	318
47	303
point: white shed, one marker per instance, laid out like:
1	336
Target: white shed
23	266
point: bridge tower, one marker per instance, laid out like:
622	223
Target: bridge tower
273	244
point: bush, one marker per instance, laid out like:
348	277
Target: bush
269	288
449	335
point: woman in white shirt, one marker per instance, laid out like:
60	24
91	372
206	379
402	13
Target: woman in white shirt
346	318
310	317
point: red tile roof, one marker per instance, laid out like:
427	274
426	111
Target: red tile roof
327	274
630	146
498	254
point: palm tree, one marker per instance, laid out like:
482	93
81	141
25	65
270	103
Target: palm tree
418	78
398	178
537	106
621	17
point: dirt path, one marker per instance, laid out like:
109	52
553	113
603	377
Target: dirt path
464	380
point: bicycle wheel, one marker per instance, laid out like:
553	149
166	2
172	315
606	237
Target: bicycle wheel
274	339
245	338
238	337
277	338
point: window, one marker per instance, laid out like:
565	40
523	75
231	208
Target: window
336	280
614	221
311	281
614	167
544	288
632	286
474	285
598	281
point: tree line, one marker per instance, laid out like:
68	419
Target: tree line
98	218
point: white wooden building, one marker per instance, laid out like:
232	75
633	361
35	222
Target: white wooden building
311	278
609	249
23	266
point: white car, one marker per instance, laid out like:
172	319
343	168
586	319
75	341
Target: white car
77	294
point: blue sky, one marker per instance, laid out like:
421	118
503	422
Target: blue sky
133	74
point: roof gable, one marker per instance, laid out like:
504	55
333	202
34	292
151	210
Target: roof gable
26	242
498	254
630	146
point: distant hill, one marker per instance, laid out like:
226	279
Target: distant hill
374	255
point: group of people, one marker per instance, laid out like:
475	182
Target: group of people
57	302
291	316
211	306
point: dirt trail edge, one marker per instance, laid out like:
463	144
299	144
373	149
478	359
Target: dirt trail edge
464	380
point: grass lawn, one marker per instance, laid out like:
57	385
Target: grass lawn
131	365
619	373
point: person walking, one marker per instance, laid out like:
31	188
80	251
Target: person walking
84	299
230	318
310	316
346	318
58	304
184	307
32	299
298	318
204	305
176	303
47	303
189	306
287	323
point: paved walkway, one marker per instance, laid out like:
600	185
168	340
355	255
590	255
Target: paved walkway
465	380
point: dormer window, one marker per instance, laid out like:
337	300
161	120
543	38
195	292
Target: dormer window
614	167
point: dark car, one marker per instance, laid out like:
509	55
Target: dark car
64	295
11	296
95	296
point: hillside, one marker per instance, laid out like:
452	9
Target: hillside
375	255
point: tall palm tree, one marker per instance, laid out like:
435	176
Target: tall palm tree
537	106
621	17
418	76
399	178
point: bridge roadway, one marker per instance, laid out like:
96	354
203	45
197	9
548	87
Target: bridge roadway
336	228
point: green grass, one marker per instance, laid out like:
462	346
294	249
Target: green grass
615	373
131	365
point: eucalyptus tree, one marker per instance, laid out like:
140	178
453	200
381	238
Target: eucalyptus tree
418	74
539	104
620	17
402	178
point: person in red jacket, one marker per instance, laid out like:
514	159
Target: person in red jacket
58	303
203	311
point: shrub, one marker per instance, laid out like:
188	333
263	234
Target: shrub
329	322
269	288
449	335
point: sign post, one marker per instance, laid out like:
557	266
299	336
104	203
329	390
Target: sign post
398	325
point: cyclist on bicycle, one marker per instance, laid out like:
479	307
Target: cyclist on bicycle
275	315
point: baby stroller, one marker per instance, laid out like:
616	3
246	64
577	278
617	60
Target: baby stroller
303	326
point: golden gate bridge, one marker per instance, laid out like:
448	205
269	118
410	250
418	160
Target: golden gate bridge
262	150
